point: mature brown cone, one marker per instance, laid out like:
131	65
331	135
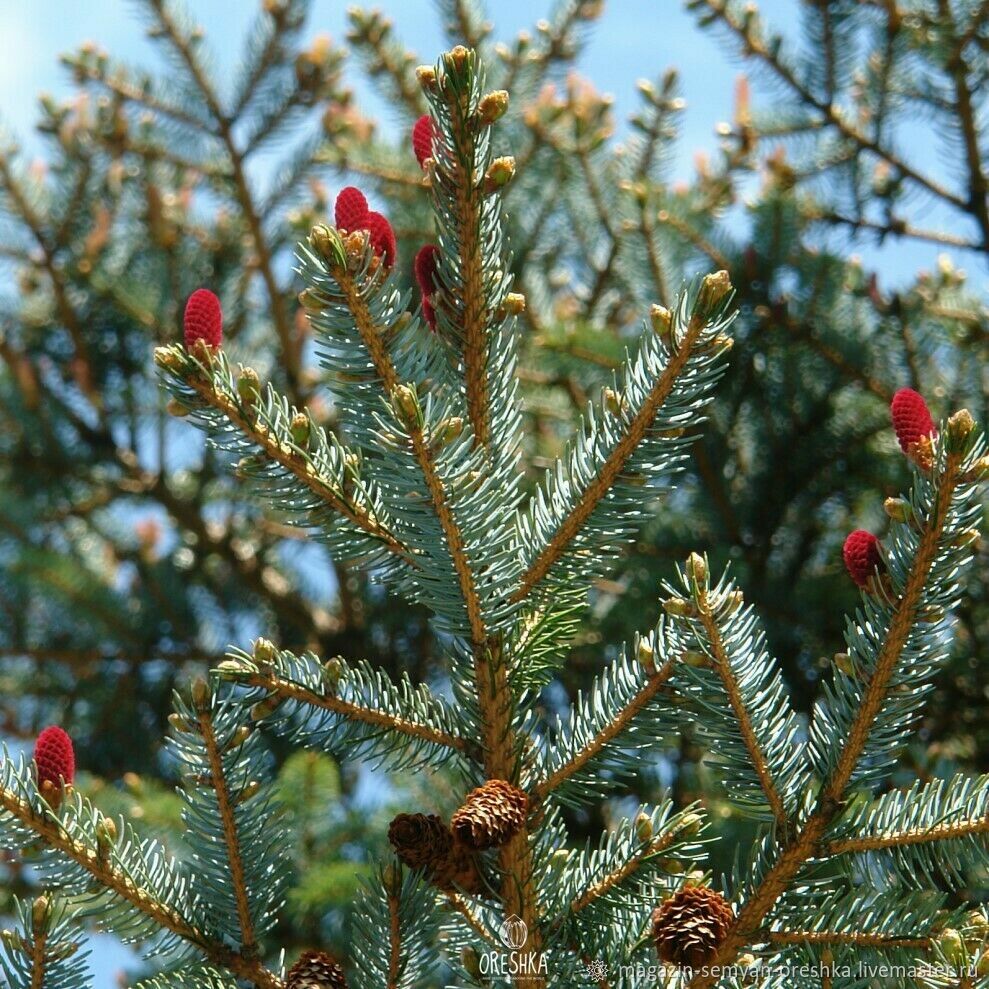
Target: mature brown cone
420	840
491	815
689	927
423	841
315	970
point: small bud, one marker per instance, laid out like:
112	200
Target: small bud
952	946
310	300
733	601
559	858
106	831
249	791
680	608
39	913
239	737
645	654
514	304
175	408
746	961
426	75
179	723
613	402
697	660
11	940
979	471
691	824
265	708
201	694
168	357
326	242
697	568
500	172
391	875
492	107
448	430
643	827
301	429
403	400
248	385
673	866
977	924
456	59
898	509
662	320
265	652
968	537
332	671
844	663
714	289
960	427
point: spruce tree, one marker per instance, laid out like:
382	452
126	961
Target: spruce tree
424	486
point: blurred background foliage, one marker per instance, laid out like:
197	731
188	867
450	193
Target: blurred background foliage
129	557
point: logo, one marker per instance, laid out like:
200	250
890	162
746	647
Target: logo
513	932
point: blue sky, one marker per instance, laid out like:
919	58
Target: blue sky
635	39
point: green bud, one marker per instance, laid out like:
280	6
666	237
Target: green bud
326	243
613	402
960	427
39	913
403	400
175	408
265	652
691	824
301	429
697	568
332	672
645	654
680	608
662	320
643	827
500	172
714	289
697	660
249	791
169	358
952	946
844	663
248	385
898	509
266	708
448	431
201	694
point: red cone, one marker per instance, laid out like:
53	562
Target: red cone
382	237
862	556
54	757
350	211
423	134
203	319
424	267
911	419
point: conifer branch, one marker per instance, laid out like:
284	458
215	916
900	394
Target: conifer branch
636	428
216	396
723	668
654	683
265	260
753	46
48	828
654	846
219	783
856	939
946	831
795	852
277	686
904	618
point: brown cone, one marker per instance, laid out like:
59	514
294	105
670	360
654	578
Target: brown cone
491	815
423	841
420	840
690	927
315	970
